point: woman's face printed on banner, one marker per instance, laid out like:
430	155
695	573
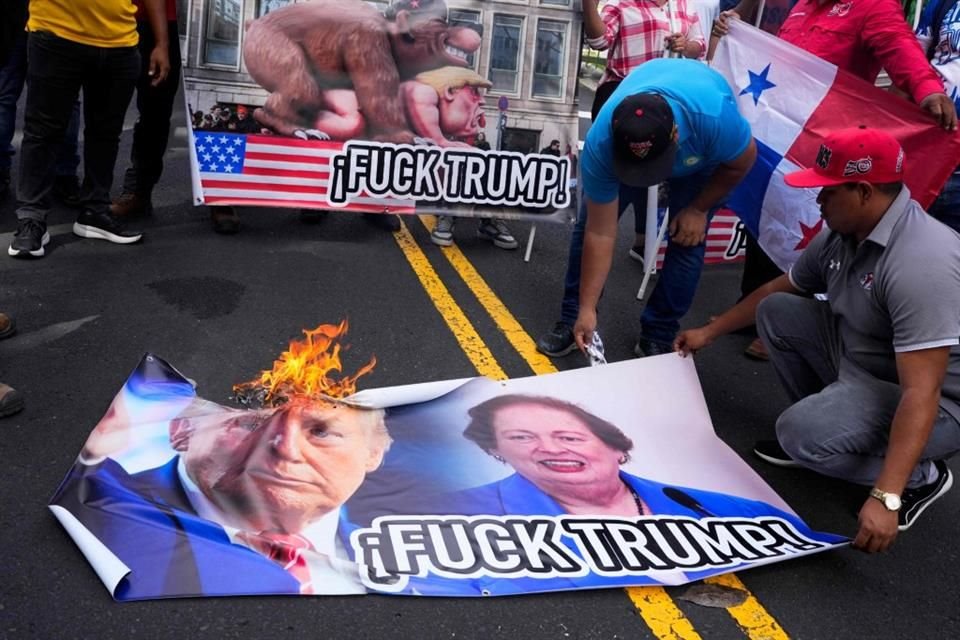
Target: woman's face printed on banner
550	447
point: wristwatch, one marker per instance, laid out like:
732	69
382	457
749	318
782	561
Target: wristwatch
890	500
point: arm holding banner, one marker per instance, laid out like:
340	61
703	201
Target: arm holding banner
921	375
598	245
739	316
889	38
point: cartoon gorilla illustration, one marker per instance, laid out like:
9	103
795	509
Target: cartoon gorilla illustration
333	67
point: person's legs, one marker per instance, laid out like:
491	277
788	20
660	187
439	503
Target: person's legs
107	89
673	294
12	78
152	129
804	346
843	431
66	186
946	208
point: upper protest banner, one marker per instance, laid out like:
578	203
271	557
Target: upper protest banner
792	100
607	476
408	107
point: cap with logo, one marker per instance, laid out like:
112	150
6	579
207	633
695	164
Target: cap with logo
858	154
644	143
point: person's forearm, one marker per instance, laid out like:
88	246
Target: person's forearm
593	26
156	11
721	183
693	49
911	428
744	313
598	244
746	8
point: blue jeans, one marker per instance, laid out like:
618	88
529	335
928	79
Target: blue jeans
946	208
57	70
673	294
12	78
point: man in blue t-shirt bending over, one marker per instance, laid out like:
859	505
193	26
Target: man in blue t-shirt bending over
673	120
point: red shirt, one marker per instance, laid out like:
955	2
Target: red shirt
862	37
171	10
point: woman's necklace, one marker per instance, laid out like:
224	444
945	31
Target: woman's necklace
641	507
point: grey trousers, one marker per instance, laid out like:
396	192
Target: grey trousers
839	422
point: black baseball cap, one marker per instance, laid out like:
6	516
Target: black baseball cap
643	143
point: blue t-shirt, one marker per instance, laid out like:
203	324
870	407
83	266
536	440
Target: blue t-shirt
711	130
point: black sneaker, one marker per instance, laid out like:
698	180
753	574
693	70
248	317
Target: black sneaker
558	341
647	347
386	221
915	501
29	240
771	451
103	226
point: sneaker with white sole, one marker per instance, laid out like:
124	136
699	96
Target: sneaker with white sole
915	501
103	226
29	240
442	234
497	232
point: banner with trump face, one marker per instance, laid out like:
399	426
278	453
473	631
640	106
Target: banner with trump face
575	480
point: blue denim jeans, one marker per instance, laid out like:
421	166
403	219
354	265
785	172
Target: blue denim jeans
57	70
12	78
673	294
839	422
946	208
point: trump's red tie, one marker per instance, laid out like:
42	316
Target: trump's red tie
286	550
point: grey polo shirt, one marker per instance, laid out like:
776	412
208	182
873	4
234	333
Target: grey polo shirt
898	291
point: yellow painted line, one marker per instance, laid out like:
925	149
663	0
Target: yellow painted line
504	320
664	618
656	607
475	349
756	623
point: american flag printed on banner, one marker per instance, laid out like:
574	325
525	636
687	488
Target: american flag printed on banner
726	242
274	171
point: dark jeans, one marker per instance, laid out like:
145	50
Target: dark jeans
155	106
839	424
57	69
13	75
946	208
677	284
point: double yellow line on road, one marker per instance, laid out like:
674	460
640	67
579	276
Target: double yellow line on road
654	604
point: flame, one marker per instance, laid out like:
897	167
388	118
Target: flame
304	371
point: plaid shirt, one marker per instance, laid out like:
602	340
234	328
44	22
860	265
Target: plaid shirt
636	30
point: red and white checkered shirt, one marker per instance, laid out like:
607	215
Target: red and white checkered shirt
636	31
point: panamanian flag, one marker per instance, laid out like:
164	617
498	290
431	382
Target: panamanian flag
792	99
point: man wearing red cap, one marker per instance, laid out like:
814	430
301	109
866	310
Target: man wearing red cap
874	371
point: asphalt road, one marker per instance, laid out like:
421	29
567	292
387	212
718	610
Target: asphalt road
221	308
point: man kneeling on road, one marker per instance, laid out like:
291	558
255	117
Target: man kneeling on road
673	120
873	372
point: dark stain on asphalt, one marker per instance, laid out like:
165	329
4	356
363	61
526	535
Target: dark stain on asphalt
204	297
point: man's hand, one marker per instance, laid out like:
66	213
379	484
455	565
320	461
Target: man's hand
721	26
677	43
159	67
689	227
584	327
692	340
878	527
941	107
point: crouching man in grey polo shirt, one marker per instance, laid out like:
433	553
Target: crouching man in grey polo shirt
873	372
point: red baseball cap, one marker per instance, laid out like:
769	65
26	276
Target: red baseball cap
853	155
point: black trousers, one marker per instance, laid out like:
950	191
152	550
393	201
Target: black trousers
155	106
57	70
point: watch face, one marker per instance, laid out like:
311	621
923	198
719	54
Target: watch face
891	501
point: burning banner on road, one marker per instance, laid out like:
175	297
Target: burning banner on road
580	479
347	105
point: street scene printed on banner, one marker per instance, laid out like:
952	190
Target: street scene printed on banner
576	480
409	107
